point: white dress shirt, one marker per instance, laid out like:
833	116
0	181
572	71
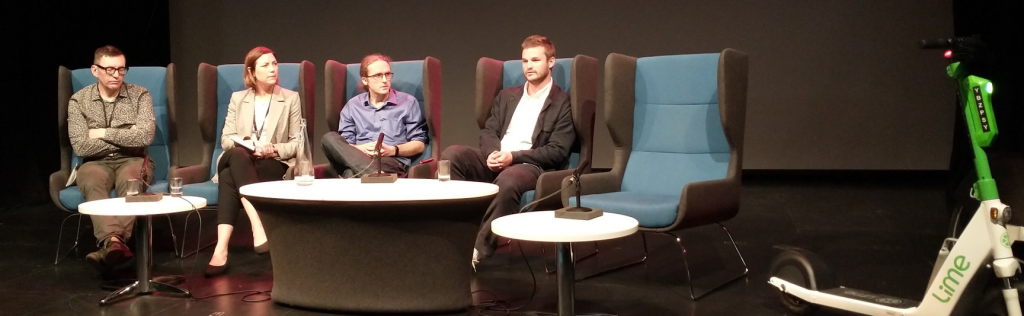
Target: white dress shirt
519	135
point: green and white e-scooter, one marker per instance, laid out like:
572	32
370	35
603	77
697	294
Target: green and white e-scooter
975	274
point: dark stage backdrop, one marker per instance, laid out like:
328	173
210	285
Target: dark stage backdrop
833	84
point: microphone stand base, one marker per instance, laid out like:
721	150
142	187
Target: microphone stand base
580	213
379	178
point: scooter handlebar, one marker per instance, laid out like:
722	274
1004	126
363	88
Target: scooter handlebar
949	43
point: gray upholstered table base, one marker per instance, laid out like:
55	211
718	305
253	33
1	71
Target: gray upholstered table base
372	257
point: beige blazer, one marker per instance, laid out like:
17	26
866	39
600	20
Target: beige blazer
282	123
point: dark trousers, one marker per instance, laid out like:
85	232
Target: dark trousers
238	167
347	161
468	163
96	178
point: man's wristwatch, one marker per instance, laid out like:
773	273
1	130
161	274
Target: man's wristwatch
396	150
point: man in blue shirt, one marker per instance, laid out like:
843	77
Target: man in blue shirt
365	116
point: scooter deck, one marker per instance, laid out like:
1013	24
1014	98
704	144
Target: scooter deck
875	298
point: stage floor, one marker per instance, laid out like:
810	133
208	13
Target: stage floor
879	232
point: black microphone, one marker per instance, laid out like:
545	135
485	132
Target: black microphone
576	178
142	195
578	211
380	141
380	176
377	153
142	172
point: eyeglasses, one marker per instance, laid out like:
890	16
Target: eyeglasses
380	77
110	70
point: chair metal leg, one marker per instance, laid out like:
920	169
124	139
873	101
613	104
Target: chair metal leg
643	237
60	235
686	265
184	236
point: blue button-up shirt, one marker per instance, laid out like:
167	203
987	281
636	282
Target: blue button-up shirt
400	119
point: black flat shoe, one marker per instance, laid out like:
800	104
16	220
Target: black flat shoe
262	249
212	270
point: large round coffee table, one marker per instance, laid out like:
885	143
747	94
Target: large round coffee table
342	245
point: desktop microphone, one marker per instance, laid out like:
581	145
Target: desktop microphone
142	195
578	211
380	176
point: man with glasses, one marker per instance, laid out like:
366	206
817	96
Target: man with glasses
110	125
364	117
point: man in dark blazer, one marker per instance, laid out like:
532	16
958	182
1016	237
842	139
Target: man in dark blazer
529	131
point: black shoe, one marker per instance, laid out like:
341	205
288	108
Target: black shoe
212	270
262	249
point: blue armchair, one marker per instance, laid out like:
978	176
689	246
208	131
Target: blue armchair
677	124
215	84
419	78
163	151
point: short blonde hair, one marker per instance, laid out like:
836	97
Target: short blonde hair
537	40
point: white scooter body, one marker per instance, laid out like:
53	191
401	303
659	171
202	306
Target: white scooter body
982	242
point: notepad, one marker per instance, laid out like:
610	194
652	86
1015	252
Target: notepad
248	144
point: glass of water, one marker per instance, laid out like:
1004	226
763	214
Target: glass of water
444	170
303	172
175	186
133	187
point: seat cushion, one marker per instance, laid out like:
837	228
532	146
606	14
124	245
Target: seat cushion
650	210
71	197
207	190
159	186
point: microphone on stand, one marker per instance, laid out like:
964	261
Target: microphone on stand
142	195
380	176
578	211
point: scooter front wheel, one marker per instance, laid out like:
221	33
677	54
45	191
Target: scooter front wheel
804	269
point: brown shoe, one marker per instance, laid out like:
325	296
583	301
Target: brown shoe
114	252
95	259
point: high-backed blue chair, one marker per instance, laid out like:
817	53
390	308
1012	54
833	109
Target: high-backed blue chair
216	84
163	151
419	78
677	124
578	77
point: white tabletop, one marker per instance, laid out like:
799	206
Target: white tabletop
118	207
543	226
354	191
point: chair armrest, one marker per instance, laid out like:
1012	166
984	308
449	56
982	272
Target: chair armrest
707	202
592	183
190	174
57	181
548	183
423	171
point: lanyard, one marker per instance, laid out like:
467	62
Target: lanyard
113	110
259	132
